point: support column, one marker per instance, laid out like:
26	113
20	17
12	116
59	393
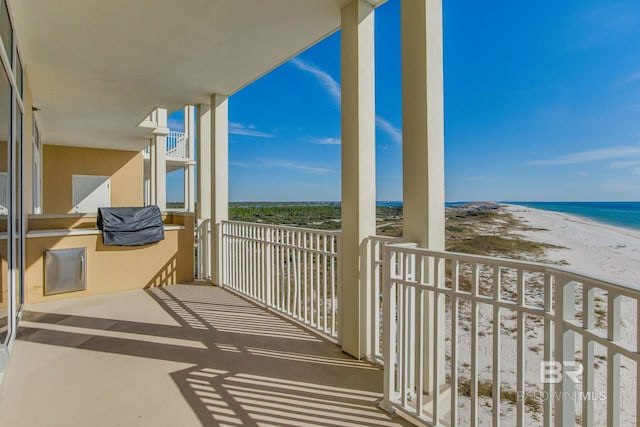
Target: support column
423	147
219	180
152	172
358	173
189	178
189	191
159	160
203	162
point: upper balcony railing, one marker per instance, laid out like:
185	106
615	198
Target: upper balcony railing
177	146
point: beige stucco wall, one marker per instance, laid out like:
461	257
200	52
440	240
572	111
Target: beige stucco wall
112	268
59	164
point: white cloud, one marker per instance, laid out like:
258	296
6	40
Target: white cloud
334	90
250	130
297	166
328	82
624	164
631	78
394	133
240	164
591	156
326	141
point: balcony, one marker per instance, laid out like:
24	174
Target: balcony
181	355
177	147
474	331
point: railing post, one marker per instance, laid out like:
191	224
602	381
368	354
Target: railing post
613	359
564	350
389	329
221	254
339	288
268	262
374	301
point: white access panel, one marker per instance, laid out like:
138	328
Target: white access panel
90	192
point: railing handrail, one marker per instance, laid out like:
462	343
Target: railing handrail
285	227
600	282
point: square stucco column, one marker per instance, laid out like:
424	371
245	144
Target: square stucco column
189	202
189	177
219	180
159	160
203	162
423	146
152	172
358	172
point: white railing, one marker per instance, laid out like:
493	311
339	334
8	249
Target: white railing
376	252
203	243
292	270
489	337
177	145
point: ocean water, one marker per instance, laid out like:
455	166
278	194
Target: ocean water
621	214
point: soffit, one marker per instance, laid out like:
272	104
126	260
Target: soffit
96	68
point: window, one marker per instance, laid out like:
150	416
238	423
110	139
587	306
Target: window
19	77
5	202
6	32
37	170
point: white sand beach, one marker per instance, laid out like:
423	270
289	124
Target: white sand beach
597	249
600	250
588	247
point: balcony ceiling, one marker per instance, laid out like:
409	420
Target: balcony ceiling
97	68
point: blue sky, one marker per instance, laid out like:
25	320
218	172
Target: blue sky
542	102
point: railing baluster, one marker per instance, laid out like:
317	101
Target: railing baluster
521	348
389	318
547	407
333	286
474	346
438	333
455	286
613	359
299	253
288	265
317	267
324	285
402	300
312	275
497	320
588	324
419	321
305	282
565	348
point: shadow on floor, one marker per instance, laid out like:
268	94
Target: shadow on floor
248	366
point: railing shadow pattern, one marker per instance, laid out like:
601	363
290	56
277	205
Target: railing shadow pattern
248	366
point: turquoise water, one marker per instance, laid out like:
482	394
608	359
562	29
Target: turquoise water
621	214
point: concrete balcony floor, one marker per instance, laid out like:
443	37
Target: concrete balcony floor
183	355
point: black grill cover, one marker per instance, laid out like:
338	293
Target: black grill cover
130	226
